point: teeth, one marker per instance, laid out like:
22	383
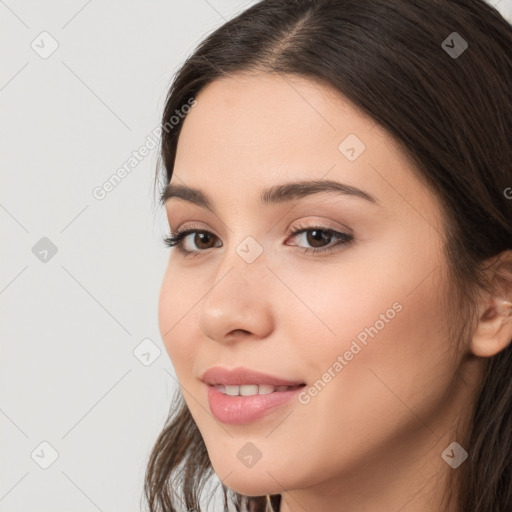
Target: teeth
250	389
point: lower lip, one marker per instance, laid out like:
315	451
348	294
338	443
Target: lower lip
237	410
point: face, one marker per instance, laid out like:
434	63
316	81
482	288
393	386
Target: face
360	321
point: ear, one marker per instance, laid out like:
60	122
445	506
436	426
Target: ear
494	331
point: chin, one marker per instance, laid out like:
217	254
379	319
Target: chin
252	490
248	484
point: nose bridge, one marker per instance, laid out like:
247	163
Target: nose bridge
246	257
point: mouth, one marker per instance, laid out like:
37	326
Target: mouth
243	378
244	404
242	395
253	389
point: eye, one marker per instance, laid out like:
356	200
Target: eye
201	238
318	237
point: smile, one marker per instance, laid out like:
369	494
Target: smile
252	389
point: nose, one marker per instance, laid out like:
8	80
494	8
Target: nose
238	304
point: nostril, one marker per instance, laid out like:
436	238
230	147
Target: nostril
237	332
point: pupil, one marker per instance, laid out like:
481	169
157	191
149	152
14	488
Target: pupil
202	237
318	238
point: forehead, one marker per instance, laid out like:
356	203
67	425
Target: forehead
266	115
251	131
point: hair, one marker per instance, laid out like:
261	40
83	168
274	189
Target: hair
451	115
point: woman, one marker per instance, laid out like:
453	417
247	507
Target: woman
337	303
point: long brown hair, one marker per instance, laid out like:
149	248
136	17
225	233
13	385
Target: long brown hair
450	113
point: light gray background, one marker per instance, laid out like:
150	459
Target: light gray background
71	323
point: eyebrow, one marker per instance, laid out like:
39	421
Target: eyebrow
273	195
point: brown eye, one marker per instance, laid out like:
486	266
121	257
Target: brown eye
202	239
318	237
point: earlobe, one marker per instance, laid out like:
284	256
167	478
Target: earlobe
494	331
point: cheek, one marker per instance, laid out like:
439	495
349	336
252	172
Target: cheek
175	313
399	373
384	318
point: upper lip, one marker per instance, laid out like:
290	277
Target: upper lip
240	376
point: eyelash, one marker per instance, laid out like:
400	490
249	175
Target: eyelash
344	239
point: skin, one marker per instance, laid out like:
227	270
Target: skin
372	438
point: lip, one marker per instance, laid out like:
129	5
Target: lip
238	410
240	376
